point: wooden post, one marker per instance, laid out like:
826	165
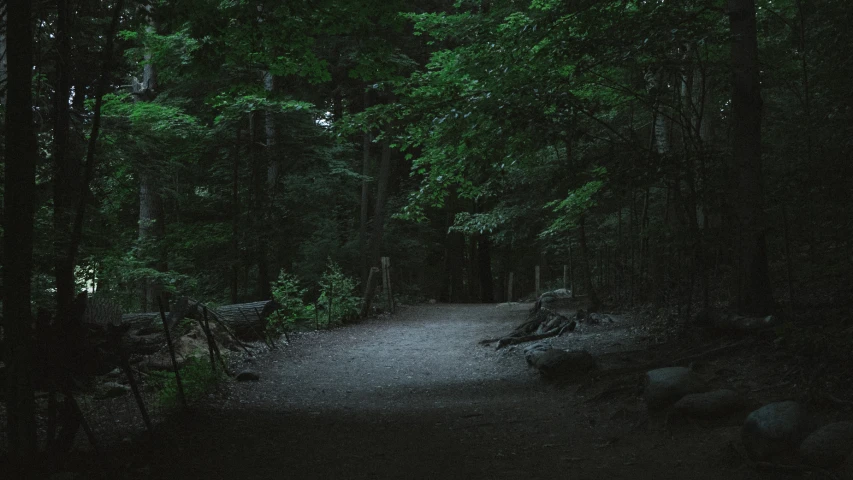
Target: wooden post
537	282
565	277
369	290
509	287
180	385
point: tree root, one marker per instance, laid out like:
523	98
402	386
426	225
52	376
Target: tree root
554	332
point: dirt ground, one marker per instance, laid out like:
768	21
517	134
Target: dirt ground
414	395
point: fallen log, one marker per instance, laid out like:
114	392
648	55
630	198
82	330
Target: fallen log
247	321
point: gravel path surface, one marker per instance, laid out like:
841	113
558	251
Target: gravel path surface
416	396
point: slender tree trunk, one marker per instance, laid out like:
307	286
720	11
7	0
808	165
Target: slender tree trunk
4	63
365	193
375	248
456	261
269	129
66	166
754	294
587	271
235	219
484	259
21	155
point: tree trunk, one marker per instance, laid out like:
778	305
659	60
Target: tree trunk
375	248
151	218
754	293
235	219
20	162
4	68
269	130
587	271
487	287
66	166
365	193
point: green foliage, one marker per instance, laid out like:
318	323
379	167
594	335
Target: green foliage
337	295
197	379
288	292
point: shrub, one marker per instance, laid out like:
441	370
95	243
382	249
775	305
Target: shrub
288	292
337	296
197	379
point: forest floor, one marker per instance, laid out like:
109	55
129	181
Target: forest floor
414	395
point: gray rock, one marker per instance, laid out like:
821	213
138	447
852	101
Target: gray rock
709	404
533	352
828	446
556	363
248	376
666	386
774	430
111	390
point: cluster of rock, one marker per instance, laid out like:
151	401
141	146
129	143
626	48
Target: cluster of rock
776	432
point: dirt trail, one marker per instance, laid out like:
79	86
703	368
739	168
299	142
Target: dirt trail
415	396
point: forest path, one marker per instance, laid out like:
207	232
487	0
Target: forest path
415	396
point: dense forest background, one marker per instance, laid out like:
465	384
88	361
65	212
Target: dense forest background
683	154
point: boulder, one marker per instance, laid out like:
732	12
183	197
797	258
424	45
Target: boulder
665	386
709	404
774	430
532	352
553	299
248	376
556	363
828	446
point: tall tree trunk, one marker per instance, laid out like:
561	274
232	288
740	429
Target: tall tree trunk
20	162
754	293
365	194
235	219
258	205
273	169
269	129
4	61
151	215
66	166
375	248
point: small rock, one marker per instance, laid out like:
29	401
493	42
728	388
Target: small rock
665	386
432	301
828	446
248	376
709	404
774	430
555	363
111	390
532	352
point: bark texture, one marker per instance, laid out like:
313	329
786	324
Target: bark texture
20	162
754	294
